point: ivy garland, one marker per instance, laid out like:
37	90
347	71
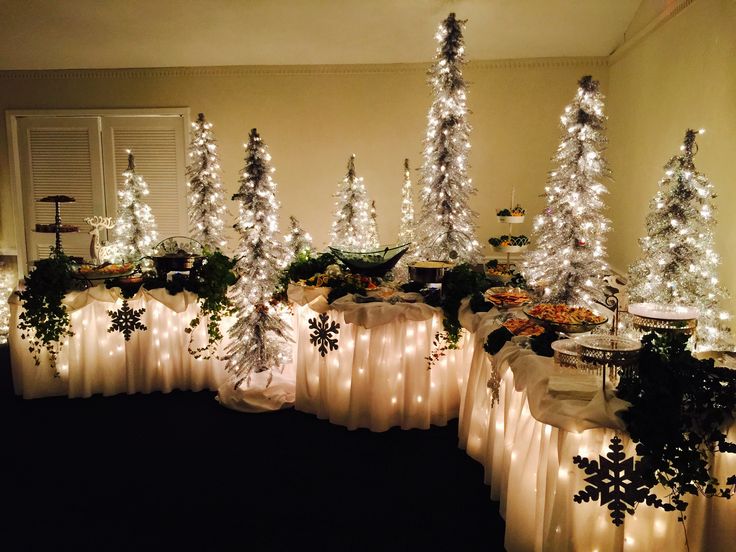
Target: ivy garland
44	321
680	408
210	280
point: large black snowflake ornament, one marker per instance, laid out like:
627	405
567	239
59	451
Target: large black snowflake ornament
322	336
615	481
126	320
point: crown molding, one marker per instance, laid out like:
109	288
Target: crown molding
670	11
287	70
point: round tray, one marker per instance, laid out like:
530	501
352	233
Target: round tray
608	350
566	328
98	275
655	317
566	353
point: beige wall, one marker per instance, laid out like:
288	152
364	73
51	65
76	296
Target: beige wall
313	118
683	74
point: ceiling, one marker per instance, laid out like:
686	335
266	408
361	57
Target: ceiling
53	34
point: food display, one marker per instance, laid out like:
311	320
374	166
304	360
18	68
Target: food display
505	297
500	272
518	326
103	271
564	318
513	216
510	244
371	263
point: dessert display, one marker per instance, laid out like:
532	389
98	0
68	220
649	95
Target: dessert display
515	215
509	244
57	227
504	297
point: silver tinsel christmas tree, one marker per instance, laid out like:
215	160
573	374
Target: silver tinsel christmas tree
298	242
679	262
351	228
568	260
406	228
446	226
374	223
135	227
259	335
206	200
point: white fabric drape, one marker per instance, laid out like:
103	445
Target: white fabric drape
94	360
378	377
528	464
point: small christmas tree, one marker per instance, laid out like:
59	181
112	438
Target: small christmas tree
446	225
259	335
406	229
298	242
135	227
206	200
351	228
568	262
679	263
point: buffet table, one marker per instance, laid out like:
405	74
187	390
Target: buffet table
527	440
377	374
95	360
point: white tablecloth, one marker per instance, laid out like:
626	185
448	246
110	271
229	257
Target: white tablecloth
526	443
96	361
378	377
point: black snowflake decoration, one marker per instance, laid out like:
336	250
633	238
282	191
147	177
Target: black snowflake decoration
615	481
322	336
126	320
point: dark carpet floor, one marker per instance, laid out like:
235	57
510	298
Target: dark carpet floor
180	472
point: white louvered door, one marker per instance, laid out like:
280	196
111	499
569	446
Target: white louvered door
158	146
60	156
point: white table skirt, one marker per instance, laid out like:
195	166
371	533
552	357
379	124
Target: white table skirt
378	377
95	361
528	465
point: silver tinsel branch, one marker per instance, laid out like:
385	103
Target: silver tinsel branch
568	263
259	336
298	242
406	229
135	227
679	262
446	225
206	199
351	227
374	224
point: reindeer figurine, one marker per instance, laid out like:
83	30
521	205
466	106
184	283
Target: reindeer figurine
97	251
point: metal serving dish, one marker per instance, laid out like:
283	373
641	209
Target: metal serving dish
428	274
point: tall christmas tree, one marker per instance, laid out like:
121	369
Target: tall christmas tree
259	335
7	281
351	228
206	200
406	228
446	225
679	263
298	242
135	227
568	262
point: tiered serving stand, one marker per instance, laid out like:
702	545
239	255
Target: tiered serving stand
58	228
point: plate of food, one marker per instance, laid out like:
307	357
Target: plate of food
519	326
507	297
103	271
564	318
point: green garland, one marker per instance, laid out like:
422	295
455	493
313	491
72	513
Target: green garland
210	280
44	321
680	408
460	282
